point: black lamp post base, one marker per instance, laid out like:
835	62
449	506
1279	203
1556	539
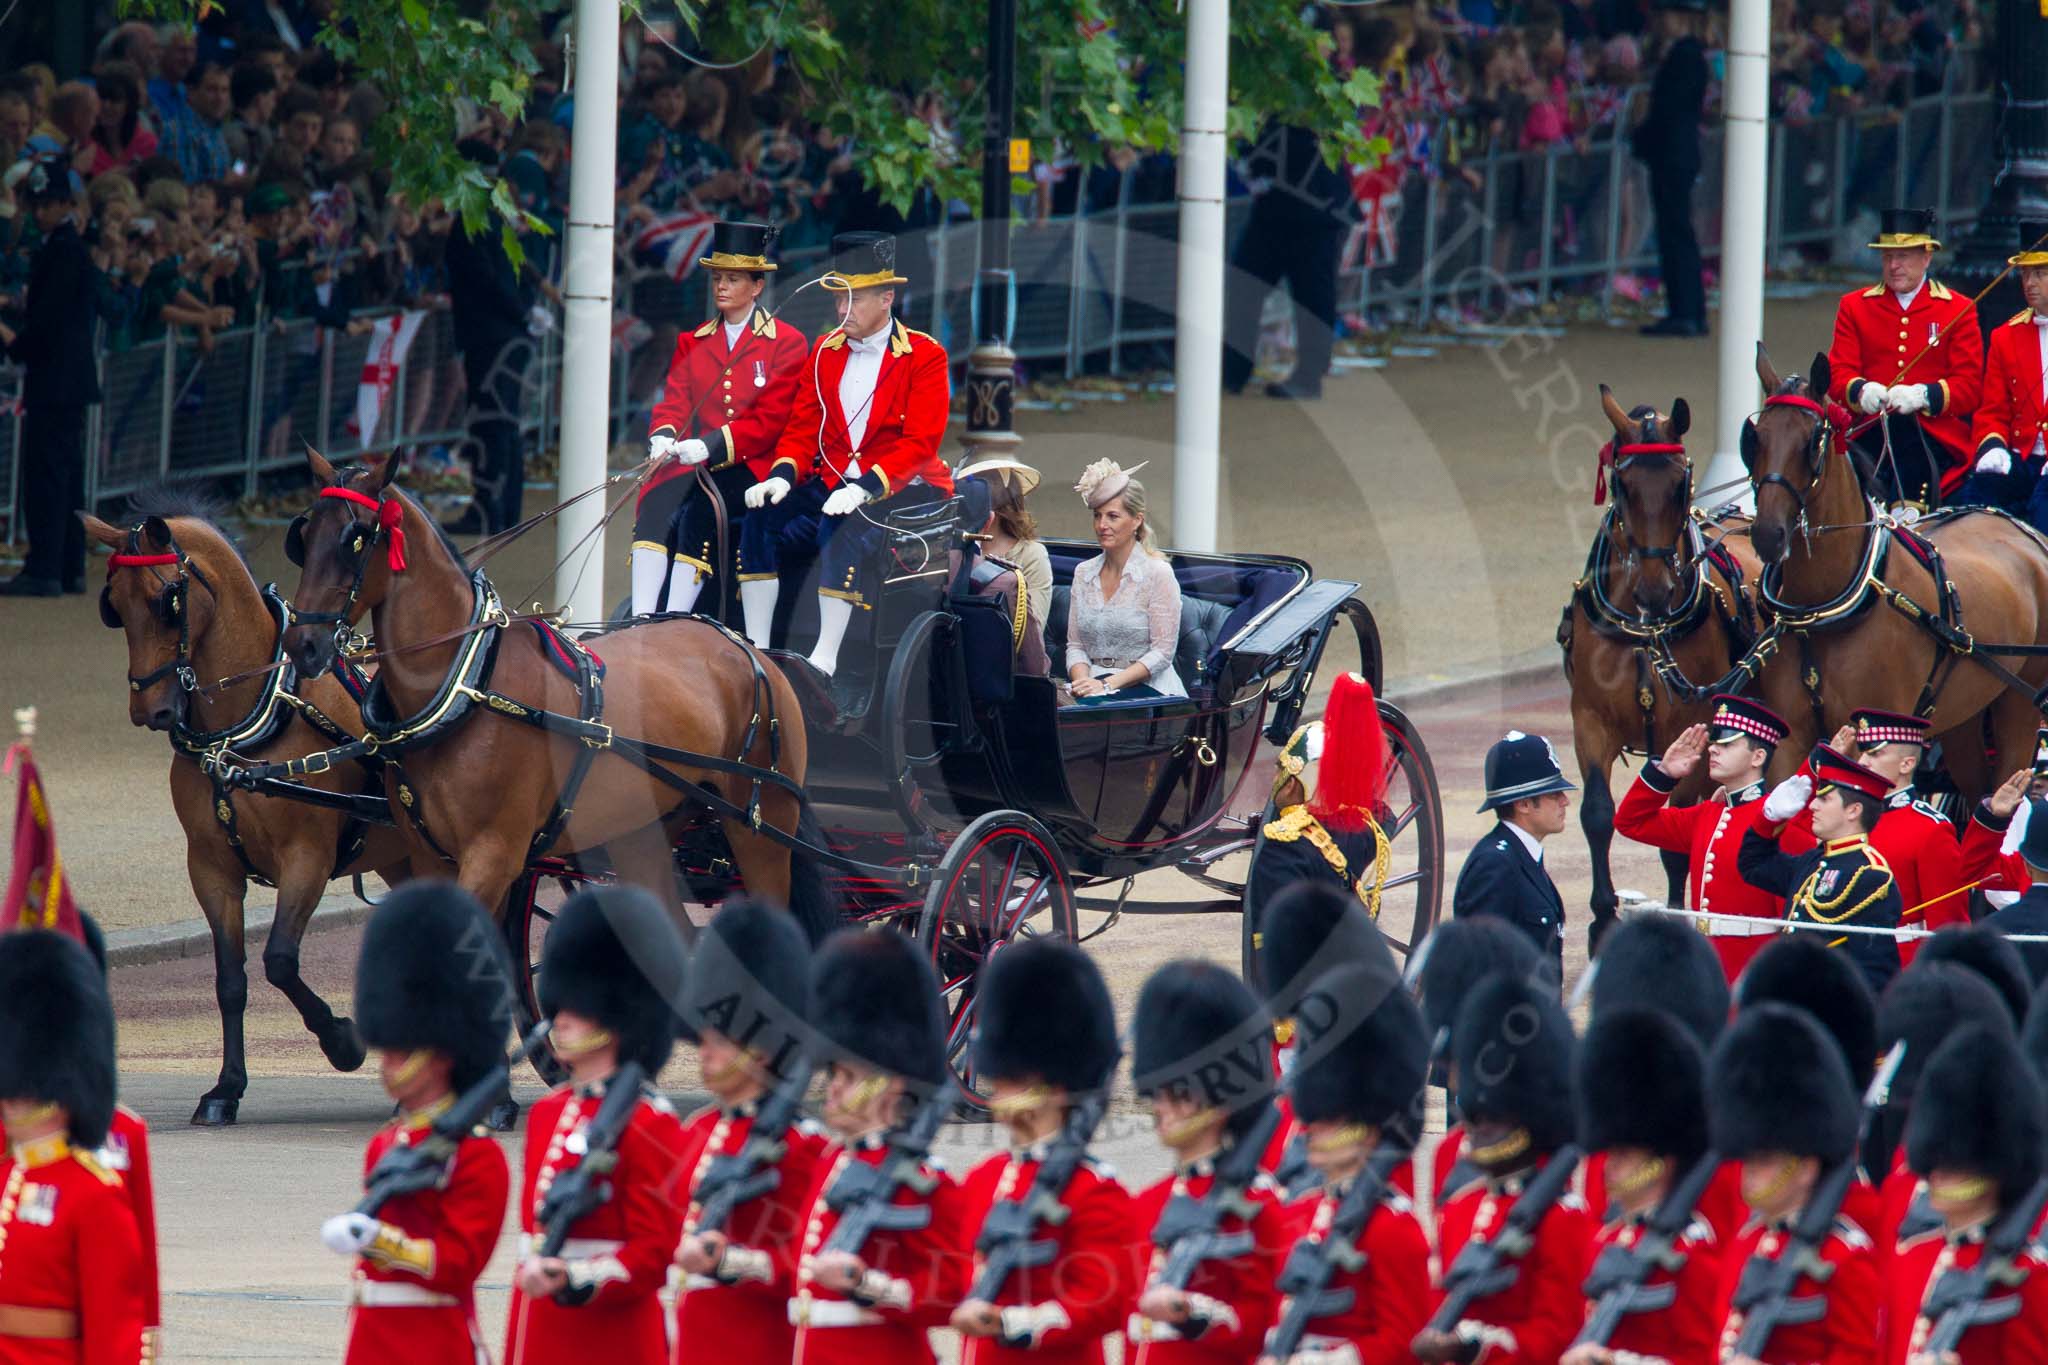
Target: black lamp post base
991	396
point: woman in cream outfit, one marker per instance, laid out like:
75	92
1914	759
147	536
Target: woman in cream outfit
1123	623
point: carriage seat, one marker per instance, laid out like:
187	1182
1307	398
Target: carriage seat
1201	630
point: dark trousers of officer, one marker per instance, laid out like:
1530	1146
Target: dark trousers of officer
1912	473
676	515
497	381
53	491
1302	246
2023	492
844	545
1678	246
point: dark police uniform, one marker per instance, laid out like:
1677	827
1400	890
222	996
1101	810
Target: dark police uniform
1500	876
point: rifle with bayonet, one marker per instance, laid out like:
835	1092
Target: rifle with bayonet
1619	1283
1485	1268
1311	1265
1961	1299
735	1178
864	1196
1189	1228
583	1189
1007	1241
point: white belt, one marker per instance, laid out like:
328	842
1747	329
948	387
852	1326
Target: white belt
575	1249
805	1311
1142	1329
391	1294
701	1282
1716	927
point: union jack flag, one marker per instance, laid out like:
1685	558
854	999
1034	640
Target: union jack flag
672	244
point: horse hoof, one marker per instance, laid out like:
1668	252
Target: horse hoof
215	1111
343	1050
504	1116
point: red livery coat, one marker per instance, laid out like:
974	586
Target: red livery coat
459	1222
736	401
1090	1286
1390	1292
1533	1321
1847	1333
926	1267
1236	1296
626	1246
71	1247
747	1319
1921	1261
906	418
1877	342
1919	845
1687	1331
2013	410
126	1154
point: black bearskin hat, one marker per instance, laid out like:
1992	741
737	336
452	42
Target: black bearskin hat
1310	928
1990	955
2034	1036
1363	1054
614	956
1982	1111
432	974
1641	1081
1044	1012
1799	970
1200	1032
1924	1005
1661	963
1777	1082
749	980
57	1030
874	1000
1457	954
1514	1050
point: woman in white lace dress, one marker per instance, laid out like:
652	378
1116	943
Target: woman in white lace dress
1123	617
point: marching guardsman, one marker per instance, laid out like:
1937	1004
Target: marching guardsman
1738	745
1985	951
71	1283
1045	1041
1977	1140
862	440
1359	1082
612	964
731	385
1331	833
1641	1085
1916	841
1199	1056
2011	428
746	1002
1503	874
875	1012
1907	356
1991	844
1842	883
434	996
1515	1092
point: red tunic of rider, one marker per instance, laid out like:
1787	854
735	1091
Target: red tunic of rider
1921	1261
1846	1332
1685	1331
623	1248
906	418
737	400
1390	1293
2014	412
1933	341
72	1271
1919	844
417	1302
1532	1321
1234	1299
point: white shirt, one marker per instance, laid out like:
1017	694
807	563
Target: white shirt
1529	841
857	388
733	332
1906	300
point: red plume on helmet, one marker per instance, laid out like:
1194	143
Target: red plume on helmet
1352	781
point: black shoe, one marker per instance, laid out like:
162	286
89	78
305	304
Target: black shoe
1301	390
1674	327
74	586
470	523
21	585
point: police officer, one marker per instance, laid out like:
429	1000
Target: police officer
2010	429
1503	874
1332	835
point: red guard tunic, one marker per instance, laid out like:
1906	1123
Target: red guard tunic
1533	1321
70	1261
1877	342
925	1269
126	1154
624	1248
906	418
1443	1162
1923	1260
1710	833
1235	1298
736	401
1984	859
1721	1207
1687	1331
1847	1332
742	1314
2014	410
1920	845
1089	1287
1390	1293
418	1303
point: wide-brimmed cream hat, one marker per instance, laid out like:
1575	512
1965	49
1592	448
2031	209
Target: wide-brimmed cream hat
1103	480
1022	477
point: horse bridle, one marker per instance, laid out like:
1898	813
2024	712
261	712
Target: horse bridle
1625	456
173	606
390	513
1818	443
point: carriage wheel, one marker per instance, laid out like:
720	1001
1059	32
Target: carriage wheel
529	913
1001	880
1412	816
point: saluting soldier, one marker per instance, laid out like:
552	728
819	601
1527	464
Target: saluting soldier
612	965
1738	745
1916	841
1199	1056
434	996
745	1005
1045	1040
2011	426
1907	354
1842	883
1503	874
71	1281
1991	845
731	385
2027	840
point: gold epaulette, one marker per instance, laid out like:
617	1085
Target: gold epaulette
92	1164
707	329
1876	291
899	339
832	340
1937	290
1296	823
2021	318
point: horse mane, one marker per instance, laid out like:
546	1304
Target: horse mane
181	500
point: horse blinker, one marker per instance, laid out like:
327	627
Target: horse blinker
109	618
295	541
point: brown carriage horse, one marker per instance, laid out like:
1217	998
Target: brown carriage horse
1848	592
192	613
477	792
1649	595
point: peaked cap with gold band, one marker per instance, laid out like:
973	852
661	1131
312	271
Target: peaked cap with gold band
1905	230
740	246
862	260
1877	728
2033	243
1735	715
1833	768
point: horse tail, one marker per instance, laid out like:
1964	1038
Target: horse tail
811	897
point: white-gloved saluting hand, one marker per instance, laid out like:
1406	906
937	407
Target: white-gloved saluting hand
661	446
1995	460
1906	399
768	491
1871	397
844	499
1789	797
692	451
349	1234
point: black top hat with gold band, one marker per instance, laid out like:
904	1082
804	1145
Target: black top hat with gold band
740	246
1753	720
1905	230
2033	243
1875	729
862	260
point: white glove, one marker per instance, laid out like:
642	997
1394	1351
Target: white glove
539	321
349	1234
768	491
1789	797
1996	460
1871	397
692	451
661	446
844	499
1906	399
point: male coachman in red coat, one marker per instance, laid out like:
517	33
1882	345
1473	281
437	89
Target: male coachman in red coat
433	994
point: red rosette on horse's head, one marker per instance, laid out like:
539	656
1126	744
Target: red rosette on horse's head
1352	781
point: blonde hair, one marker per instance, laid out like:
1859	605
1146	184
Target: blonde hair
1132	495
